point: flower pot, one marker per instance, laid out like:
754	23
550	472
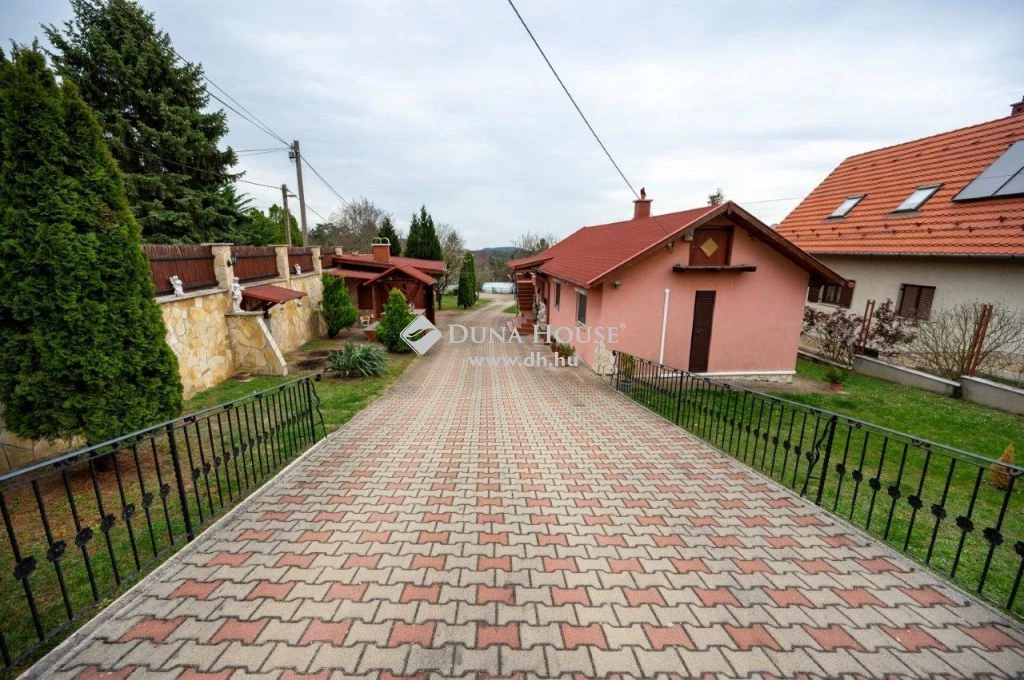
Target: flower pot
836	387
371	334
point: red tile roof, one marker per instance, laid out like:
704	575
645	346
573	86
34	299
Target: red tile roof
411	272
991	226
593	253
432	266
352	273
272	294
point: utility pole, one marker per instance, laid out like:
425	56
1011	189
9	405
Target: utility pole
302	194
287	217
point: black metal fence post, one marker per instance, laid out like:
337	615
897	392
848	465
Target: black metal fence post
180	481
826	457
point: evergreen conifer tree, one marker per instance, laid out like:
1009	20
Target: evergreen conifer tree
467	281
426	244
387	230
393	320
337	308
152	108
82	337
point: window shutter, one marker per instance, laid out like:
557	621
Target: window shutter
846	295
924	303
813	293
908	301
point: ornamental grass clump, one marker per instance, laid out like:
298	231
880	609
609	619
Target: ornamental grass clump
357	361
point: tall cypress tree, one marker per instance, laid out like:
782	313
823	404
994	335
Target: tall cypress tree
467	281
82	338
426	244
152	110
387	230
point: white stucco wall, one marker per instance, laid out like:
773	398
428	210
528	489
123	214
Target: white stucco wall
956	280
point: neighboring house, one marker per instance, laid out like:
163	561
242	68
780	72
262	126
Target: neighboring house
929	224
369	278
711	290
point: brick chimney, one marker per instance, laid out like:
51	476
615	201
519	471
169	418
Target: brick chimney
1017	108
381	251
642	206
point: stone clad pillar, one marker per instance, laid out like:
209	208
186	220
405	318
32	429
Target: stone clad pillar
282	262
317	265
222	268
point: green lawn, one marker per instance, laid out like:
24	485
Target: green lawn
938	506
511	309
340	398
127	552
450	303
931	416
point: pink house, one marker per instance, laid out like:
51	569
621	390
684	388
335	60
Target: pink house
711	290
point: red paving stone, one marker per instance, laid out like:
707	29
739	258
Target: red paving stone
532	523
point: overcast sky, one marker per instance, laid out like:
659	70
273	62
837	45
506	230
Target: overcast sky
449	103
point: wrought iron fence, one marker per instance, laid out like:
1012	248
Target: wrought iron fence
79	527
956	512
191	263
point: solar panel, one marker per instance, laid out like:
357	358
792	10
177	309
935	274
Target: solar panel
1002	178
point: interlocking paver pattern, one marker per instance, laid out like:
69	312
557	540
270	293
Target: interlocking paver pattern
530	522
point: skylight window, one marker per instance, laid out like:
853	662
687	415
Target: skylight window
846	206
917	199
1005	177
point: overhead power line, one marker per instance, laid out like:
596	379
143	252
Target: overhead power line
259	184
252	118
326	183
571	99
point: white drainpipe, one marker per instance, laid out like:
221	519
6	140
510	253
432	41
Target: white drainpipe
664	325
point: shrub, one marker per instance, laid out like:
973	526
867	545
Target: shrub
944	341
336	308
357	361
81	337
1000	475
835	331
565	350
395	317
836	376
467	282
889	331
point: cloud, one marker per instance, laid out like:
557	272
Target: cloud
449	104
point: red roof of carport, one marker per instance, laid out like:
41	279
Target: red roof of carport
272	294
352	273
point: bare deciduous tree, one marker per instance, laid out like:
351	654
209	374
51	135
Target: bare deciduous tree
452	248
531	243
943	342
356	225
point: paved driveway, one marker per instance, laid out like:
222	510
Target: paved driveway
512	520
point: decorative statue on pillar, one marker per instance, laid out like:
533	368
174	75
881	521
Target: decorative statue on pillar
236	295
177	286
298	270
542	312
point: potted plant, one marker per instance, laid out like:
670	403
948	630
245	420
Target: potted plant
627	369
836	377
564	351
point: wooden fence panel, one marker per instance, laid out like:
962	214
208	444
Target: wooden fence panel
193	264
302	257
255	262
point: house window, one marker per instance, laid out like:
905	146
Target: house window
839	296
846	206
917	199
915	301
558	296
581	307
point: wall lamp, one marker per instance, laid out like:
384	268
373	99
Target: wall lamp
617	283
